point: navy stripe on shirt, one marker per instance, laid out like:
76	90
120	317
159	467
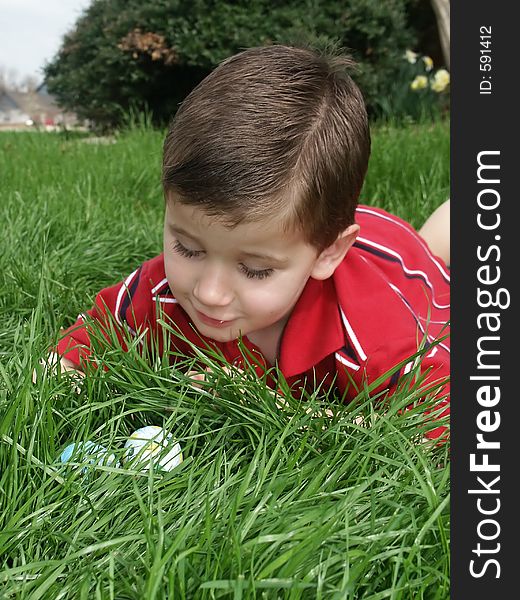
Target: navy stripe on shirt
128	296
389	258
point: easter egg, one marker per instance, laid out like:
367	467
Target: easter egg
87	452
152	443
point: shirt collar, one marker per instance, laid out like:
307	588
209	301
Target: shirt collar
313	330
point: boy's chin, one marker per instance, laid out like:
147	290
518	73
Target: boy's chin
223	338
223	335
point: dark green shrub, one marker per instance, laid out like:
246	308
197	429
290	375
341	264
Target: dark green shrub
129	54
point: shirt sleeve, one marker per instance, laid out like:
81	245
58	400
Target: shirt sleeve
121	310
383	372
395	301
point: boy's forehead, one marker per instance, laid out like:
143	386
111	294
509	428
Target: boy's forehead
194	222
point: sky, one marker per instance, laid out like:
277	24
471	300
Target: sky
31	32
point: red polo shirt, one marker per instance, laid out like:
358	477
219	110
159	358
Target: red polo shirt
387	299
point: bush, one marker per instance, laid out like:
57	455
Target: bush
125	54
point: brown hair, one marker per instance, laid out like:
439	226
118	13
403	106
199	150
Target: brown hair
274	132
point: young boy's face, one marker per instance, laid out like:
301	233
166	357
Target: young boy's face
231	281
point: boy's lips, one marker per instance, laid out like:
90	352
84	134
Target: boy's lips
211	321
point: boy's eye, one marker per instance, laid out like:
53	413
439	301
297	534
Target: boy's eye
183	251
248	272
255	273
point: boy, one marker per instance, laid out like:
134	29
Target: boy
264	241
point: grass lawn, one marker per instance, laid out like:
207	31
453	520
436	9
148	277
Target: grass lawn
267	503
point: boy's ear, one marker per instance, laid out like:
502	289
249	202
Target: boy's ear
329	259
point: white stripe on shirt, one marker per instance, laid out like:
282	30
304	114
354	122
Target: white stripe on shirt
346	362
122	290
165	300
159	285
440	267
430	338
361	353
405	268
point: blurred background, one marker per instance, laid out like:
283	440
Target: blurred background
95	64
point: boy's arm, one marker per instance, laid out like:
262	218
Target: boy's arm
436	231
433	365
53	362
121	309
67	365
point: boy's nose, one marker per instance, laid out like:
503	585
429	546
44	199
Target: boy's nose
212	288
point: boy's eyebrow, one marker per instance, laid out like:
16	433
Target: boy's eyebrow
176	229
280	260
267	257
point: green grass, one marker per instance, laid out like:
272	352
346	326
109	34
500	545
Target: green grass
267	503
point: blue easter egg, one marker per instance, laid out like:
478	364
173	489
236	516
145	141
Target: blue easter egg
87	452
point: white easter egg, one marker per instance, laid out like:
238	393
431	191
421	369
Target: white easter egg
155	444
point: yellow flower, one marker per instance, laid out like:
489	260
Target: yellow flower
440	80
428	63
411	56
419	83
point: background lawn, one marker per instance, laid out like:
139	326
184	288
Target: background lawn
267	503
